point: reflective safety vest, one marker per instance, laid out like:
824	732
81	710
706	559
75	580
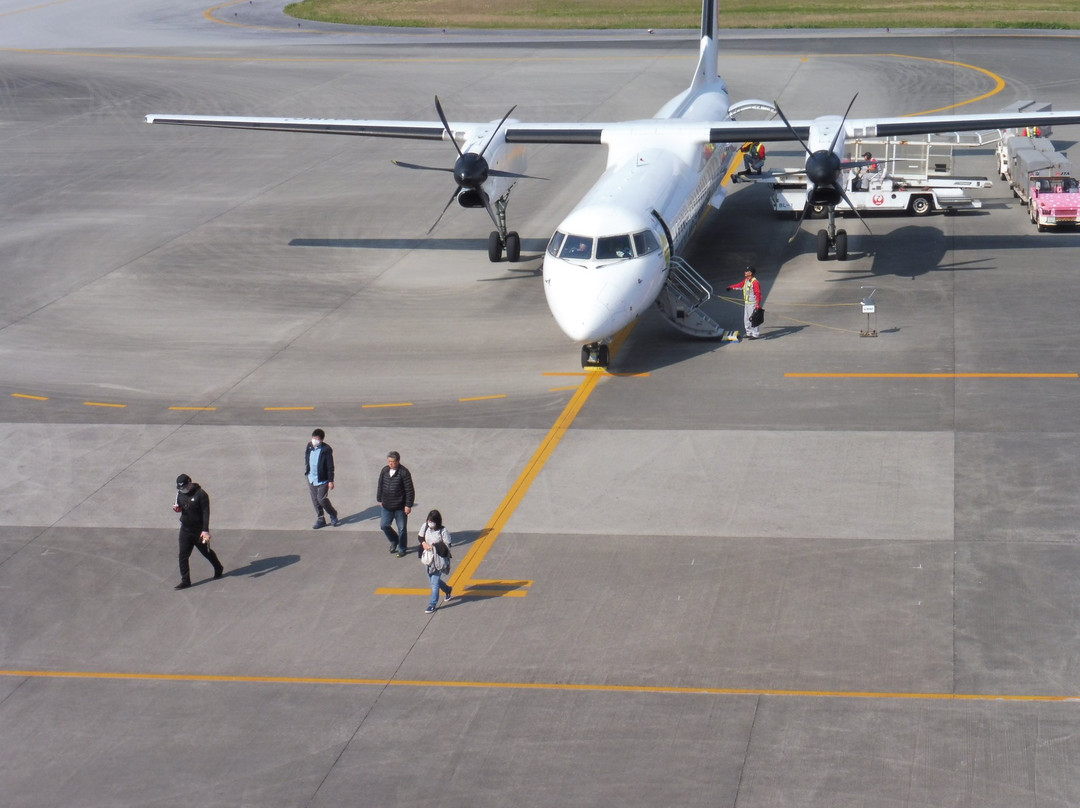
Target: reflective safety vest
751	291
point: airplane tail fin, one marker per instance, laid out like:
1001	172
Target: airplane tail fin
710	28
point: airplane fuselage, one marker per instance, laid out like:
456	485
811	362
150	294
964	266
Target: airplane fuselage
601	270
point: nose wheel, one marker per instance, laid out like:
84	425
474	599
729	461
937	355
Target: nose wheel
595	355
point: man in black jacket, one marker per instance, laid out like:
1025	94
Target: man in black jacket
395	496
319	470
193	505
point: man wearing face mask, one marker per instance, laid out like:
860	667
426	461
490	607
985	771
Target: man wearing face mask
193	505
319	470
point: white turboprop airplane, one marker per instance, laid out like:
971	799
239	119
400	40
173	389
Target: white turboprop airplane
617	253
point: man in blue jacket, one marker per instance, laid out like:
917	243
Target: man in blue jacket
319	470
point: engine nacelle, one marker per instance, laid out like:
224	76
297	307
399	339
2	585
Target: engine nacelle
470	199
824	195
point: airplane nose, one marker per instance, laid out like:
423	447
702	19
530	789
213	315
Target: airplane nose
590	303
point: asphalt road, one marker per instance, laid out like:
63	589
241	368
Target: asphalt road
813	570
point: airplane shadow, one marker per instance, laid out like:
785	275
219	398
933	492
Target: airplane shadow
532	245
263	566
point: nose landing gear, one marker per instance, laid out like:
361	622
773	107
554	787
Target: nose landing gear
595	355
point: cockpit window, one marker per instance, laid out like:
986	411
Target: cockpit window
645	242
556	242
613	247
577	247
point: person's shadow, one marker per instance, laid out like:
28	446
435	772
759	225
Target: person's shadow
374	512
263	566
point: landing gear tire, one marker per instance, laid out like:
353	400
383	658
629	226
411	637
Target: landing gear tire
513	247
841	245
495	247
823	245
595	355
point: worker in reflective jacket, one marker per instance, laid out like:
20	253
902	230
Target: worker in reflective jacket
753	158
751	295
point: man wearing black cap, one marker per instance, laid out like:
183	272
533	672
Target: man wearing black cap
193	505
751	293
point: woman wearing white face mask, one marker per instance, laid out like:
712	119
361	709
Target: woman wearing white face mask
435	554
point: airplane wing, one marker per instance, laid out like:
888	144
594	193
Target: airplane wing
736	131
415	130
594	133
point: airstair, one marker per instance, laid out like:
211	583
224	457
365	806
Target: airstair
681	299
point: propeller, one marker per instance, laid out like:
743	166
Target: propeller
823	169
471	169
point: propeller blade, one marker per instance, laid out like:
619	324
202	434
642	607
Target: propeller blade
791	128
497	128
840	129
421	168
844	196
494	172
448	204
798	224
491	211
446	126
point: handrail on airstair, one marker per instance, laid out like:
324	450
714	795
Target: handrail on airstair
687	282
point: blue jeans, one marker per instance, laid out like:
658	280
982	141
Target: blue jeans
437	583
400	538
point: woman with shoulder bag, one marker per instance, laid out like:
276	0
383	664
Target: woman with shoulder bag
435	555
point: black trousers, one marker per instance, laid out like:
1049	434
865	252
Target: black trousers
189	542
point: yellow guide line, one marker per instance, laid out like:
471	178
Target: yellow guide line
103	404
594	371
521	486
32	398
194	409
33	8
931	375
471	592
554	686
483	398
378	406
285	409
462	578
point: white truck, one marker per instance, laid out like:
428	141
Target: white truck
1042	178
914	176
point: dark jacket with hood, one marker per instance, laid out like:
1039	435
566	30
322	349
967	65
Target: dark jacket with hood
326	462
194	510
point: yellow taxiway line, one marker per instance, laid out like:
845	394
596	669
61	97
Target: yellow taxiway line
462	579
585	687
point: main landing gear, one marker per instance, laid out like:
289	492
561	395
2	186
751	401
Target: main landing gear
595	355
497	243
499	240
832	240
